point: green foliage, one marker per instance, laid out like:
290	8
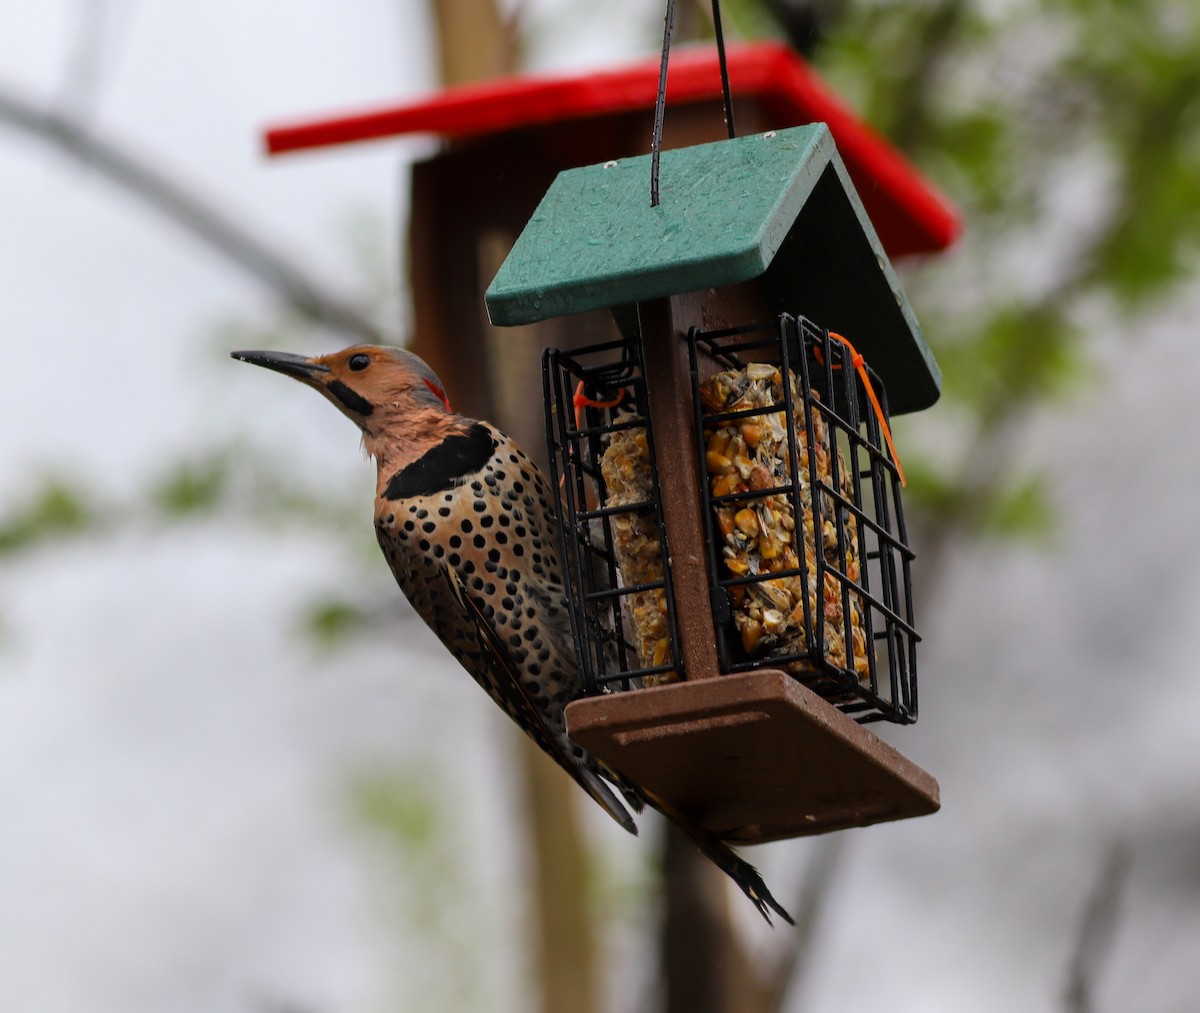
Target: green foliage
193	487
1018	357
399	809
997	103
977	146
932	490
1002	105
246	482
54	512
748	19
1008	506
1138	65
409	814
1020	509
334	621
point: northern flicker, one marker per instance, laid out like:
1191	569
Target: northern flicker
467	523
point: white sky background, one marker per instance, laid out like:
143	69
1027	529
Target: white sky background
175	761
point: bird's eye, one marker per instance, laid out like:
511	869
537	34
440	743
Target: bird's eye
359	362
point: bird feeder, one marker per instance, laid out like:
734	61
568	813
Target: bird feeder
738	568
758	752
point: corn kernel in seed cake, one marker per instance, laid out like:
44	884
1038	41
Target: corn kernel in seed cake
758	533
628	479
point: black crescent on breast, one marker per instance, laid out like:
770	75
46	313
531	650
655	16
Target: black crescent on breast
443	467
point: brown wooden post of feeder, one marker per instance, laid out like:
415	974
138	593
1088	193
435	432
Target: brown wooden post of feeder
746	229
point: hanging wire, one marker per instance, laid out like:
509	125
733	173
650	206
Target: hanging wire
660	103
728	100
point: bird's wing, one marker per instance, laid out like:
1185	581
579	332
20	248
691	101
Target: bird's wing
512	696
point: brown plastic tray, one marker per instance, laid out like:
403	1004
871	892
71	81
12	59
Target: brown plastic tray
753	757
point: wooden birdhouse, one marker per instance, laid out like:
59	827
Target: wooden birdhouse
503	142
739	573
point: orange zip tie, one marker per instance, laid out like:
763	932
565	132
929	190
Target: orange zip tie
859	363
581	401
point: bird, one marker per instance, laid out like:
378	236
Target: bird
467	523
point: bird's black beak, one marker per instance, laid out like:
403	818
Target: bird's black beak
283	362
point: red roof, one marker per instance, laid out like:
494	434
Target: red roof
907	211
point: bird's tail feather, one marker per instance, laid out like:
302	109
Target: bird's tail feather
591	783
629	791
725	859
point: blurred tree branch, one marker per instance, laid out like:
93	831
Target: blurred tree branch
82	72
704	964
166	193
806	22
476	41
1096	930
789	970
933	43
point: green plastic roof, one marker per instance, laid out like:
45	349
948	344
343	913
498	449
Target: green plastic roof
777	205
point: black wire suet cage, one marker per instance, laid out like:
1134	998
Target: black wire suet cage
595	400
808	560
845	575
